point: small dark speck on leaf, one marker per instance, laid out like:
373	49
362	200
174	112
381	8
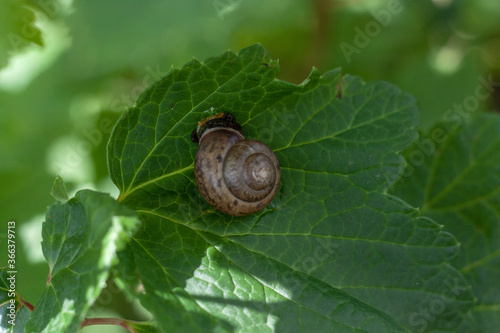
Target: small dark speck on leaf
339	89
267	65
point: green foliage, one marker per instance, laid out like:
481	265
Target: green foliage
338	249
458	185
59	190
110	51
80	240
331	235
11	309
334	251
17	29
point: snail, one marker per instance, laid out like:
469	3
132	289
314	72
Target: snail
237	176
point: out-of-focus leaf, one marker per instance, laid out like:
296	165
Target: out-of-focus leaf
59	190
16	29
143	327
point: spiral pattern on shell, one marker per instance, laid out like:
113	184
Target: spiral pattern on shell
237	176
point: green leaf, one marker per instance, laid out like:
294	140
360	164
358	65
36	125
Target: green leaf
80	241
59	190
17	28
13	314
143	327
458	185
332	252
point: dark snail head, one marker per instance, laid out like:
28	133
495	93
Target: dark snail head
235	175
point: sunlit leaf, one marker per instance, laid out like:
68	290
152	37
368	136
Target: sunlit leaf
80	240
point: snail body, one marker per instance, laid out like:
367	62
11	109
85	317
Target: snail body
237	176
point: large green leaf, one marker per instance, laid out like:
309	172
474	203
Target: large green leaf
332	252
454	176
80	241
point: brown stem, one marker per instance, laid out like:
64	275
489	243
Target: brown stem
26	304
107	321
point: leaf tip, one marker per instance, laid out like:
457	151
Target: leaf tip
59	190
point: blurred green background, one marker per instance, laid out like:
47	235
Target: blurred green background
69	68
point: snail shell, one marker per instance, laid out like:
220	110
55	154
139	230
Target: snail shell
235	175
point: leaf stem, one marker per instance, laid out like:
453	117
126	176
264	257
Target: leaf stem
49	277
107	321
26	304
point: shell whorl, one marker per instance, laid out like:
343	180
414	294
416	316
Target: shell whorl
235	175
250	170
